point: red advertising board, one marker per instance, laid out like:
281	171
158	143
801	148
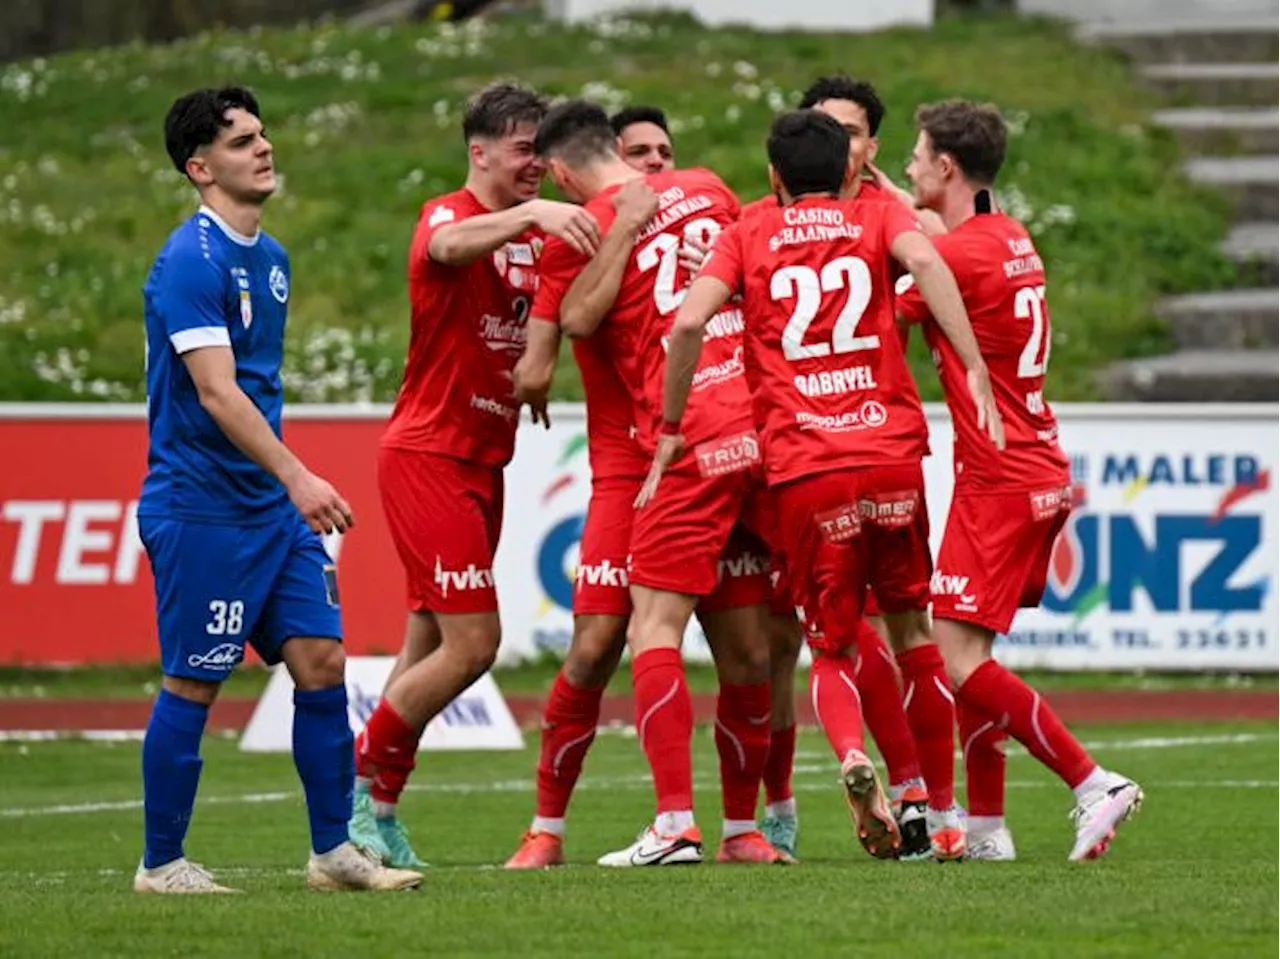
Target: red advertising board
75	586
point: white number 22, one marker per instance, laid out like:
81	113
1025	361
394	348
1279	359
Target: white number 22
806	286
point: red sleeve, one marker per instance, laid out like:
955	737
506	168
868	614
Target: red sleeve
910	305
725	260
436	214
558	266
897	220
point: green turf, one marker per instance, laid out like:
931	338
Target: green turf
1194	875
366	126
141	682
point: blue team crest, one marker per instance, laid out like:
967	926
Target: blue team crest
279	283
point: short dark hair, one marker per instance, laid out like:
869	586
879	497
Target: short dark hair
195	119
638	114
841	87
810	152
499	108
577	131
973	133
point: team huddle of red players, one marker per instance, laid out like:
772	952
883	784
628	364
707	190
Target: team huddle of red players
755	439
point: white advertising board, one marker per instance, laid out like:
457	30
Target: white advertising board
478	719
1169	563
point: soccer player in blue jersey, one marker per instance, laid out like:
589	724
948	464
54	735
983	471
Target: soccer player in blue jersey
230	518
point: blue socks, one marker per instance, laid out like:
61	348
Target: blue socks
170	774
324	753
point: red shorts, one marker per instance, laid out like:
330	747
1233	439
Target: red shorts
680	538
601	582
742	574
445	516
847	530
995	554
600	585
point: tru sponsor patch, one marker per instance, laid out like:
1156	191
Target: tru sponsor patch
728	454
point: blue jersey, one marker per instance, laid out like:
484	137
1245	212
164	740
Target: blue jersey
211	286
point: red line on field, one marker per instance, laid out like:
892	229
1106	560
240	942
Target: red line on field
1074	706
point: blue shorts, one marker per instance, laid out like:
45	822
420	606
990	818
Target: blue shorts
218	587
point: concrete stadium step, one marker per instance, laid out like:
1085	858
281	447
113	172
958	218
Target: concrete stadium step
1251	182
1196	376
1190	41
1224	320
1255	248
1214	84
1218	131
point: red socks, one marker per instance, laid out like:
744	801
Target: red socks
882	710
386	752
778	767
568	728
931	713
836	703
742	742
664	722
994	692
982	742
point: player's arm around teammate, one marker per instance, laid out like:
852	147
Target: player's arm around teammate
472	273
229	516
645	145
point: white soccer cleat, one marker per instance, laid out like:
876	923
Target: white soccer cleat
179	876
1099	813
946	834
349	867
994	846
651	848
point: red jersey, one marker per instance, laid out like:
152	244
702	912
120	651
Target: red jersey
829	382
633	336
468	330
611	441
1001	279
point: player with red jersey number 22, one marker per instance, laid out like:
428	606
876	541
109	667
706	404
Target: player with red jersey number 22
841	423
1007	509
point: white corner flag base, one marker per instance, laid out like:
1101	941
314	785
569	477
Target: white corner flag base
478	719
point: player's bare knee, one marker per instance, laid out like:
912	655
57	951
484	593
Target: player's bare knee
593	655
196	690
785	638
315	663
908	629
472	642
964	647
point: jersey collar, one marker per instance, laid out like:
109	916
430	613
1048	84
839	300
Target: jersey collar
225	227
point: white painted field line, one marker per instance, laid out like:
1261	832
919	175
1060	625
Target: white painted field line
643	780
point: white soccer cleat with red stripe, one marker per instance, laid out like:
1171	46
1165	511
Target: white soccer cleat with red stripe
1099	814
